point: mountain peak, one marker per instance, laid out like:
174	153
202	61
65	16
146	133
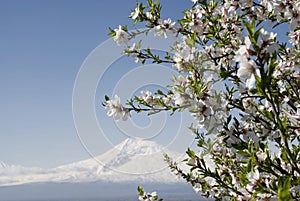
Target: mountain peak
138	146
134	156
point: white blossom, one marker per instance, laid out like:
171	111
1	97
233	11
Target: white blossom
295	37
254	178
197	187
267	36
248	70
179	99
164	29
242	55
261	156
121	36
149	16
116	110
135	13
147	96
268	4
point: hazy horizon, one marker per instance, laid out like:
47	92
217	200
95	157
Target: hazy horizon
94	191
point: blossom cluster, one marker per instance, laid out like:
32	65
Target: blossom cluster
147	196
249	128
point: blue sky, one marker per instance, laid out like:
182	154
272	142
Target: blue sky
43	45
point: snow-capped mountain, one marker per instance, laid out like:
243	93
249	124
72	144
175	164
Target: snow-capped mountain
131	160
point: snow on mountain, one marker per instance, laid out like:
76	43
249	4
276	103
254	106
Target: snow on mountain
3	165
135	156
131	160
16	174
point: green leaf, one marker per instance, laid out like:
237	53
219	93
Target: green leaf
284	154
250	27
257	33
159	92
190	42
112	33
272	65
191	153
125	28
223	73
140	190
284	184
243	153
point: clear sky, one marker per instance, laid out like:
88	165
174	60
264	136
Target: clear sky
42	47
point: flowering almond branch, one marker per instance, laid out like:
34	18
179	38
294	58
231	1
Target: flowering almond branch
250	130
